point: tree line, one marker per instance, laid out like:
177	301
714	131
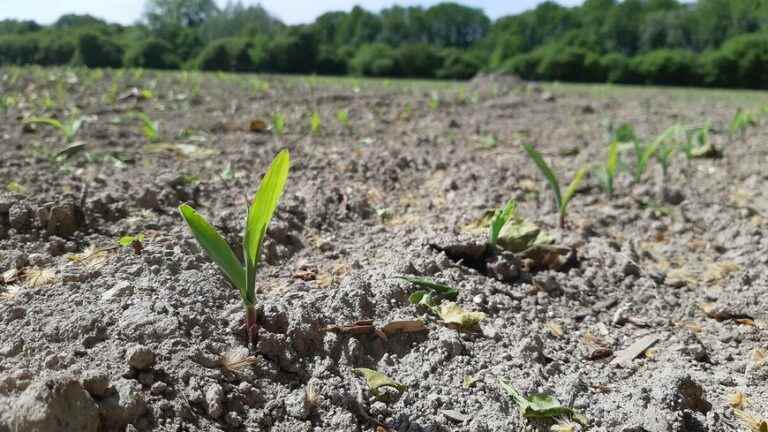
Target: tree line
720	43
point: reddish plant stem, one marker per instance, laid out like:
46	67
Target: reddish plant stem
251	327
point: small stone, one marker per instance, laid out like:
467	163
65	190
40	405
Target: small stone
140	357
125	406
95	383
20	216
233	419
122	289
296	406
146	378
214	395
54	404
158	388
55	247
148	199
37	259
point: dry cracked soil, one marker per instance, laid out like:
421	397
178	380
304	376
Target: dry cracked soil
654	321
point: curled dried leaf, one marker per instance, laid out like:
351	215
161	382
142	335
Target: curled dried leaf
410	326
737	400
453	315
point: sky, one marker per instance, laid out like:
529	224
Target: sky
289	11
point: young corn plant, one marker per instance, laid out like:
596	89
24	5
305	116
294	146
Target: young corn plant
643	154
243	277
561	199
741	121
500	218
150	128
697	141
607	173
342	116
278	124
67	128
315	123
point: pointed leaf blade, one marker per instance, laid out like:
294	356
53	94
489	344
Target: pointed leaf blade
546	171
260	214
571	191
215	246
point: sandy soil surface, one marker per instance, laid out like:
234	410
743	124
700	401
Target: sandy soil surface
650	314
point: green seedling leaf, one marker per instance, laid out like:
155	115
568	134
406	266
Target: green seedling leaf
377	380
260	214
443	290
278	123
608	172
127	241
45	121
541	405
150	128
546	171
343	117
499	219
571	191
215	246
315	123
15	187
452	314
625	133
70	151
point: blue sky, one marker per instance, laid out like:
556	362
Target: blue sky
290	11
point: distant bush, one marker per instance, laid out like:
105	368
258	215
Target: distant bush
229	54
458	64
523	65
743	61
666	67
418	60
55	49
615	68
152	54
563	63
18	49
291	53
95	50
719	68
374	59
330	62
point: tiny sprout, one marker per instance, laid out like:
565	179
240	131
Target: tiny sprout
500	218
741	121
561	199
135	242
315	122
278	123
625	133
149	127
342	116
434	101
607	173
264	204
643	154
68	128
697	141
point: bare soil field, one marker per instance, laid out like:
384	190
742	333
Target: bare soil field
645	312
